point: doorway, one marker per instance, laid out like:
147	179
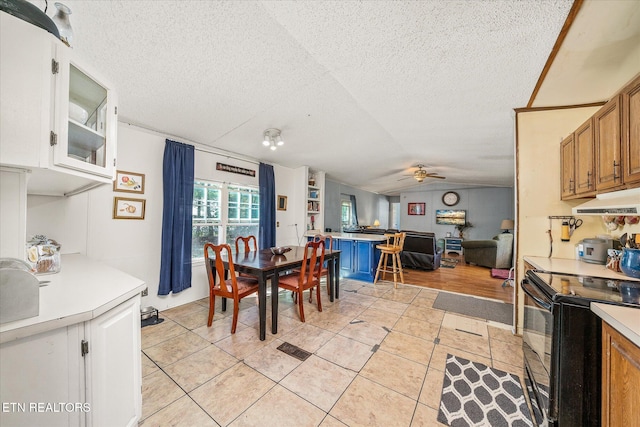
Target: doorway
394	216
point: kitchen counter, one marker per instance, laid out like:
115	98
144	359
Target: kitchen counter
82	290
351	236
625	320
359	255
575	267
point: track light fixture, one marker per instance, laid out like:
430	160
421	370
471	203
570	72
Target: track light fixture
272	138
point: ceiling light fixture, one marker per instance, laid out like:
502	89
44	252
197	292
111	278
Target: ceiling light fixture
272	138
420	174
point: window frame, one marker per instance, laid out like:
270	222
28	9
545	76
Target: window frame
223	223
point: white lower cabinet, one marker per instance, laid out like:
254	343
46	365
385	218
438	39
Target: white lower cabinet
46	380
39	376
113	374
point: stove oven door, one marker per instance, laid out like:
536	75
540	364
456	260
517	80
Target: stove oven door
537	339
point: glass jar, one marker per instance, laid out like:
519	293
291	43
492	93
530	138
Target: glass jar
43	255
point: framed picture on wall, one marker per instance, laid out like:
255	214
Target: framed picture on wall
416	208
129	182
282	203
125	208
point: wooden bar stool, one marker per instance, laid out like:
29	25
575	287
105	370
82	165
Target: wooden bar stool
393	247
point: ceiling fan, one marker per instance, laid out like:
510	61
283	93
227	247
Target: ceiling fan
421	174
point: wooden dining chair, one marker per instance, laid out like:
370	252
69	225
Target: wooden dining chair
309	275
248	244
232	287
393	247
324	272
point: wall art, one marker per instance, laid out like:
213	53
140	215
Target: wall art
125	208
129	182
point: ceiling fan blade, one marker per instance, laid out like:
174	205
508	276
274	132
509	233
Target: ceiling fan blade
436	176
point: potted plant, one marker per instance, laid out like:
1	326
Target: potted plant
462	227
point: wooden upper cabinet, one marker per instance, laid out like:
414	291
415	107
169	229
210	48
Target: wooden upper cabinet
584	160
567	161
608	143
631	132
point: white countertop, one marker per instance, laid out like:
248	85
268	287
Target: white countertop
576	267
81	291
351	236
625	320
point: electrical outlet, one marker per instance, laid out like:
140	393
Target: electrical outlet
145	292
277	223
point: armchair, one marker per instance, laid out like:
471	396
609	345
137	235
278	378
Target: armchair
494	253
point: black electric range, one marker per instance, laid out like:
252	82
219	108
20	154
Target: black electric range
582	290
562	344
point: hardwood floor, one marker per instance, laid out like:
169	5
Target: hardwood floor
464	278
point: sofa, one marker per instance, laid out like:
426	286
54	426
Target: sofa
420	249
493	253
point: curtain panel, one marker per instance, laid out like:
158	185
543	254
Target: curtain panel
354	210
178	174
267	184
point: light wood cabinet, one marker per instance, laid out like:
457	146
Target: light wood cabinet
58	118
620	379
577	160
584	160
567	161
608	143
603	154
631	132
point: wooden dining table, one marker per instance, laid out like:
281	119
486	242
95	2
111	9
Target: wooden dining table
264	265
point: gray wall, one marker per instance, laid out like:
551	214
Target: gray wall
486	208
370	206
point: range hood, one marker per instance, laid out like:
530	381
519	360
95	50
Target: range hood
624	202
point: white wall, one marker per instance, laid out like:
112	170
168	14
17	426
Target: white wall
83	223
290	223
13	212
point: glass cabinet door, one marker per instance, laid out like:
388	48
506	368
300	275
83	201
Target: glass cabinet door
86	117
86	123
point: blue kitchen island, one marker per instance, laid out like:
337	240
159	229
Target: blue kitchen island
358	254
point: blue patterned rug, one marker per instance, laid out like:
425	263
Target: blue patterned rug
475	395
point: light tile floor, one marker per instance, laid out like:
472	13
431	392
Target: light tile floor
378	358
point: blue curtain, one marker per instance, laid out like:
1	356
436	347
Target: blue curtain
354	210
267	184
175	261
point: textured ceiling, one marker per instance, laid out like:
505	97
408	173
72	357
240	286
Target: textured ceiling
361	90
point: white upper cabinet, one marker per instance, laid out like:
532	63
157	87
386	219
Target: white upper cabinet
86	116
58	117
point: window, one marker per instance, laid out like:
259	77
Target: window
221	213
243	213
206	216
346	214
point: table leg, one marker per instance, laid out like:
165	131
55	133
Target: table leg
331	278
337	277
262	305
274	302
